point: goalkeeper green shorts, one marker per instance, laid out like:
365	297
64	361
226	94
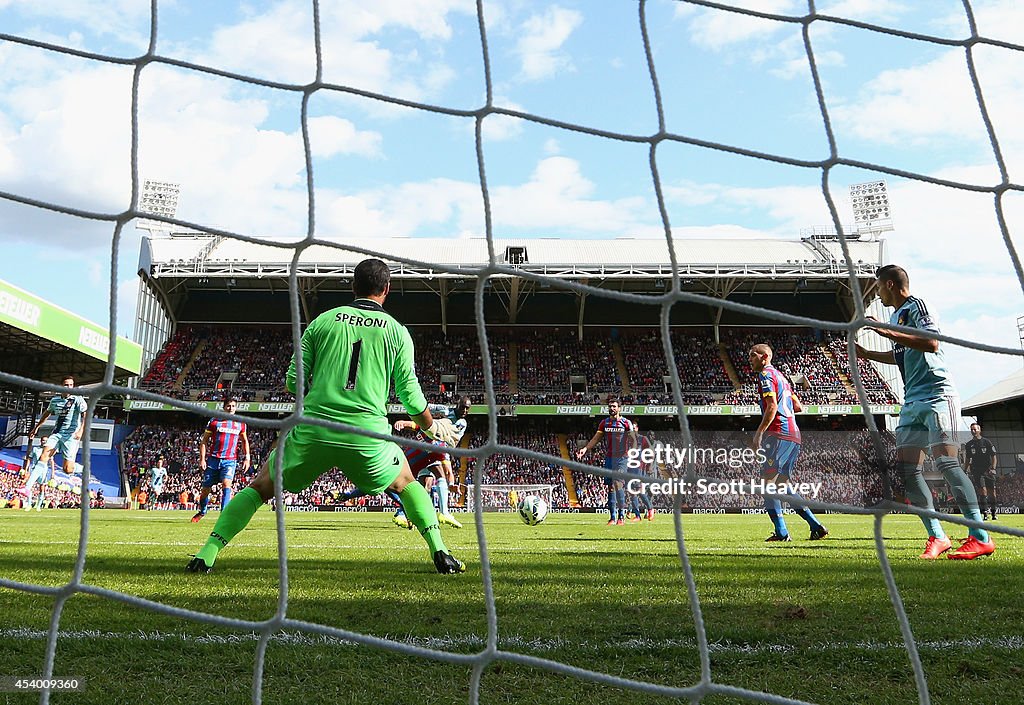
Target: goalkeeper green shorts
310	451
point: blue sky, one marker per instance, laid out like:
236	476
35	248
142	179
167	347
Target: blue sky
385	170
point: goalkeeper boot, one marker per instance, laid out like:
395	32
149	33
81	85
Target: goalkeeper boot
449	520
778	537
447	564
198	565
197	517
935	547
972	548
819	533
401	521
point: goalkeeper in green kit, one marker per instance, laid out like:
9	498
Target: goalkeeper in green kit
350	356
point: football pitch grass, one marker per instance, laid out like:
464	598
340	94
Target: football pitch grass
805	620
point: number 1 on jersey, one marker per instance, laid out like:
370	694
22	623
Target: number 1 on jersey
353	365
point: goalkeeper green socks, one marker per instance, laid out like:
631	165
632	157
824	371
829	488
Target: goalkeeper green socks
235	517
420	511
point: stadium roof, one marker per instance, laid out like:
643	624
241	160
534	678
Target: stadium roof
199	254
42	341
175	264
1009	389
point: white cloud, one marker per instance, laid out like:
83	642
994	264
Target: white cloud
866	10
125	20
936	100
541	40
719	29
330	136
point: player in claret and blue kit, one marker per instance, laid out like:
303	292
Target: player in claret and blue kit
779	437
619	434
218	457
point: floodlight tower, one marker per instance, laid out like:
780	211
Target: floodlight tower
159	198
1020	330
871	213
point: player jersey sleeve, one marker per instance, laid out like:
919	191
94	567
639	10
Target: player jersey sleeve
308	351
769	388
918	317
404	375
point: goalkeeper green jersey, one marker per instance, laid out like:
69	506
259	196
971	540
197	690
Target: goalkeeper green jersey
350	356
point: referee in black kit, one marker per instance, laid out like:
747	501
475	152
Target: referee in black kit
980	458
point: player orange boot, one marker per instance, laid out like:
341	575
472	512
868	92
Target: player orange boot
935	547
971	548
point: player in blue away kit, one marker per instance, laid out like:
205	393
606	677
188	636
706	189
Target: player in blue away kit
157	475
36	473
620	435
779	436
66	436
930	415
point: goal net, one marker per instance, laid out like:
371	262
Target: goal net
660	145
507	497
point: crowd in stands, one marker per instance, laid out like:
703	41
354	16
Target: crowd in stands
458	354
550	357
12	482
251	362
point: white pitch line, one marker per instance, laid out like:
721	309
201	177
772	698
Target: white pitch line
471	641
518	548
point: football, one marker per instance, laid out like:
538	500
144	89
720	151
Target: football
532	510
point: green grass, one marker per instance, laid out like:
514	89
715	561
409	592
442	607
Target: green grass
804	620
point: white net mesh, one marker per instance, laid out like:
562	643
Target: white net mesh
825	164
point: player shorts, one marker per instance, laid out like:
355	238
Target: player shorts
780	457
37	476
618	464
64	444
924	424
218	470
420	461
310	451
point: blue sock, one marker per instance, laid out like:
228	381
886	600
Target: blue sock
442	495
920	496
634	505
225	498
646	499
774	509
203	504
805	513
621	494
613	504
964	492
394	497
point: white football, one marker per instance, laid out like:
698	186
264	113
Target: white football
532	510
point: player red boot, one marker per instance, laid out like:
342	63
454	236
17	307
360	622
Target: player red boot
935	547
972	548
